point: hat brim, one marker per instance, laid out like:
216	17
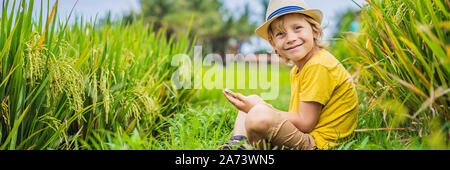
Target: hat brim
262	31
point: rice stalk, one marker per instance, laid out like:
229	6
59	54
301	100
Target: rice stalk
404	47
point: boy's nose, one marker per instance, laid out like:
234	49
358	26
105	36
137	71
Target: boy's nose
291	37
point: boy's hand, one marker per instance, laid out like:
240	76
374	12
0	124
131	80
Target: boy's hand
243	103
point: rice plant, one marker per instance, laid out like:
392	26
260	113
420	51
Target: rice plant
402	56
62	84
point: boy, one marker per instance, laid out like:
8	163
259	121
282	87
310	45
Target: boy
323	106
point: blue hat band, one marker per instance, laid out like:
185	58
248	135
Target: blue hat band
284	10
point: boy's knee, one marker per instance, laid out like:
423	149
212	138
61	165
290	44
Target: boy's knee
259	119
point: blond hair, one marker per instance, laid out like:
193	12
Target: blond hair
279	24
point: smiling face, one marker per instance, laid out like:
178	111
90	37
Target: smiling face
292	36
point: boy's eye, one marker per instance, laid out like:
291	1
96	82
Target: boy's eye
279	34
298	27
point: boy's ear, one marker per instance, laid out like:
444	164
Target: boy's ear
273	47
316	35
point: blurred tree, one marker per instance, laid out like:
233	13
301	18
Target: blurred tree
343	29
345	21
212	24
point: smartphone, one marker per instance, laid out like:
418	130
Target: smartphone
229	92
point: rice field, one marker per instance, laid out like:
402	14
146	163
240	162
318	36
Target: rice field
63	86
102	85
402	63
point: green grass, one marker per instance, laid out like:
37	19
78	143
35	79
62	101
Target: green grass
208	122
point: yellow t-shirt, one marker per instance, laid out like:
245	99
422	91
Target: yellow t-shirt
323	79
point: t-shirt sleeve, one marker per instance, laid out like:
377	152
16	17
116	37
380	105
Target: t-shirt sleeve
316	84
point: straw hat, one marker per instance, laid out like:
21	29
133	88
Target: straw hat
278	8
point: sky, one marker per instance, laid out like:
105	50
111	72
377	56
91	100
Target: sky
91	8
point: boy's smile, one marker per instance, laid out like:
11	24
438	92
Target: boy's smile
293	47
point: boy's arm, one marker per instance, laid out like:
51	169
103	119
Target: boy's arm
305	120
307	117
